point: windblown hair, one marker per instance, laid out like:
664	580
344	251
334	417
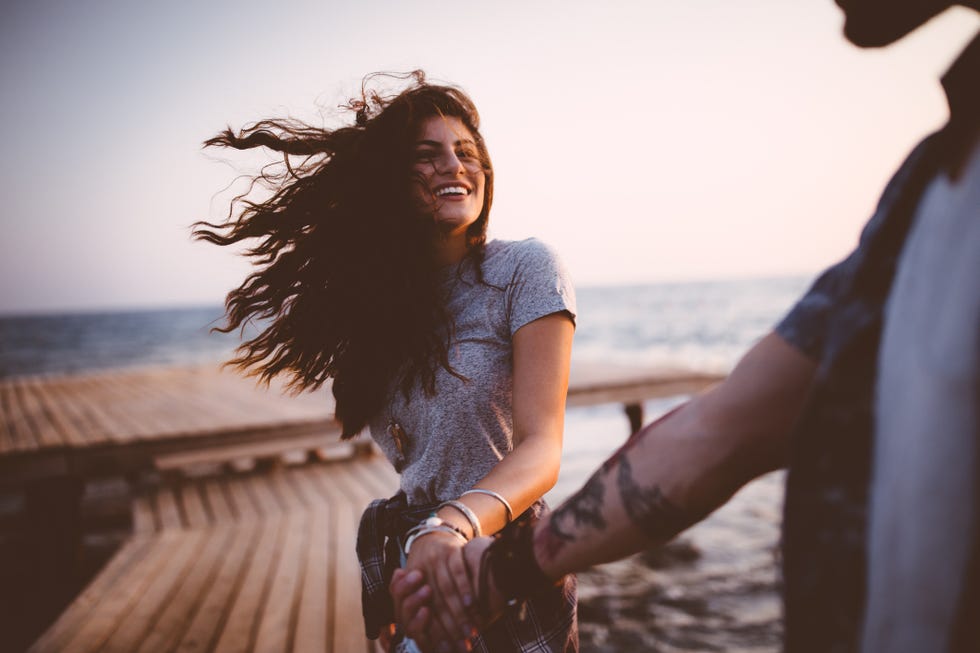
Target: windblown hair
346	284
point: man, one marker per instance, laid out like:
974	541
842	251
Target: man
868	390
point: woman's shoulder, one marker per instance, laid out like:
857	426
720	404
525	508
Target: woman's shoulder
511	253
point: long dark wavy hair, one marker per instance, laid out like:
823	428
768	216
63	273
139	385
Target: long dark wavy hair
346	284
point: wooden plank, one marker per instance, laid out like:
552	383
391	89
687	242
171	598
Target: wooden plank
167	509
241	500
156	596
193	504
243	620
275	633
348	632
345	628
61	414
288	492
106	426
379	473
85	427
145	520
311	618
56	638
125	405
220	508
359	489
47	424
169	626
115	606
149	396
6	435
210	618
596	383
224	454
117	416
18	427
260	489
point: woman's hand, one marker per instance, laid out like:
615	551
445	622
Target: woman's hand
447	590
413	597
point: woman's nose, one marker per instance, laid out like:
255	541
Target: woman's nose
450	164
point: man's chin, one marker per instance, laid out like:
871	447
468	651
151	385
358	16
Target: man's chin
873	37
871	27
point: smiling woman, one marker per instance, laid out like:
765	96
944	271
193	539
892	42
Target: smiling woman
373	269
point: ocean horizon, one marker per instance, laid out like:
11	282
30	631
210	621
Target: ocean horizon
703	324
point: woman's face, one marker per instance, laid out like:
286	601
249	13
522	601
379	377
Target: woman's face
449	174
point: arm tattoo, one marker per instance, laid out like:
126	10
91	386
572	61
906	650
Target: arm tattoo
649	510
584	508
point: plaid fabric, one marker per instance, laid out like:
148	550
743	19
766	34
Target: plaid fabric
377	553
546	623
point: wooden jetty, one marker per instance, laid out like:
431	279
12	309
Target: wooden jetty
259	561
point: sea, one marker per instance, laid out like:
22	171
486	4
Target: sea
714	588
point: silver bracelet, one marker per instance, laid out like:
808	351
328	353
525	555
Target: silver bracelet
426	529
469	514
495	495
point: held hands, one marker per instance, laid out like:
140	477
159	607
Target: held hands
433	594
436	594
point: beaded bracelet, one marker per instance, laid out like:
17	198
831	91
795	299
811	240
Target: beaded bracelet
495	495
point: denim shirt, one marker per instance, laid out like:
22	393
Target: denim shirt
838	323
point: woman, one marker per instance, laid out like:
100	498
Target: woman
374	270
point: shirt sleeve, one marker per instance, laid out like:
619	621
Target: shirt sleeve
806	325
540	286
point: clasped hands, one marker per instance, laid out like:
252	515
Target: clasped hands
436	595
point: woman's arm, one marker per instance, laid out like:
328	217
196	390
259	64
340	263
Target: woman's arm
673	472
542	354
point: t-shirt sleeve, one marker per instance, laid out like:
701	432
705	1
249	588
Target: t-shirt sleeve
540	286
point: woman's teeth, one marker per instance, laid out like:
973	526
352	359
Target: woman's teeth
451	190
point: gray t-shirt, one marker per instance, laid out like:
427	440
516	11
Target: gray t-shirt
455	437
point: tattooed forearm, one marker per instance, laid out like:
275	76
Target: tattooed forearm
649	510
584	508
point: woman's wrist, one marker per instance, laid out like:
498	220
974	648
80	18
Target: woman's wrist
455	509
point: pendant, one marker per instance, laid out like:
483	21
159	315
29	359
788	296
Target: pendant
400	438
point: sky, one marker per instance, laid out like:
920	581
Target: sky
644	140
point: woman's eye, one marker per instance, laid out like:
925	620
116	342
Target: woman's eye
424	155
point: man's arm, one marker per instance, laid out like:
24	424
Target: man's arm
675	471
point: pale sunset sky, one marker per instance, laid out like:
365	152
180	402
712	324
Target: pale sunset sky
645	140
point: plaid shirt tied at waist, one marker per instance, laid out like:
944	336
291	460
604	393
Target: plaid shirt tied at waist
547	622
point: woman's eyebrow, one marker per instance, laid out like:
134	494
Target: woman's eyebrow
464	141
